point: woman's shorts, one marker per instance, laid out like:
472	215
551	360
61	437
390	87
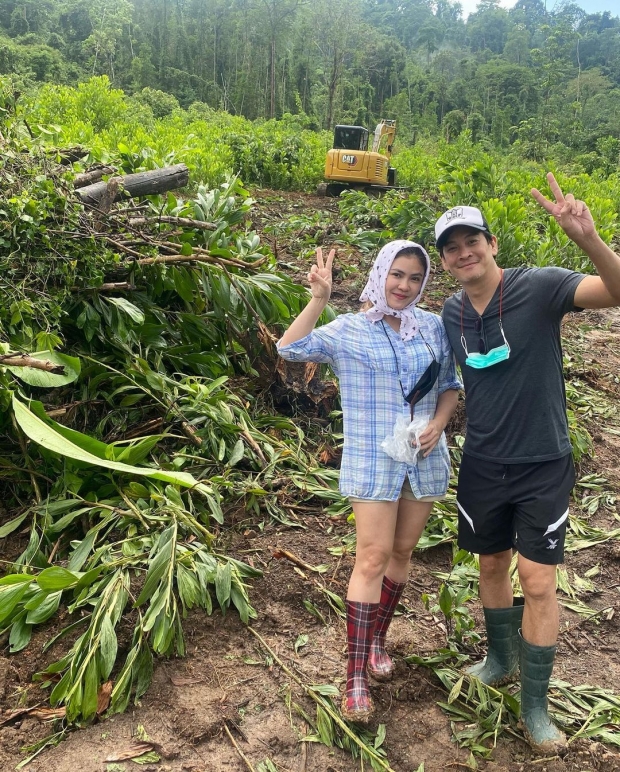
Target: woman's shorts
405	493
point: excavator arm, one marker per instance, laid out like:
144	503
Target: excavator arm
385	128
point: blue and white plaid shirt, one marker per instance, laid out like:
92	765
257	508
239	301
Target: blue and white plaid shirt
369	368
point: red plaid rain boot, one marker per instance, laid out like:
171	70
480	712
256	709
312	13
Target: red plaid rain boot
357	703
380	664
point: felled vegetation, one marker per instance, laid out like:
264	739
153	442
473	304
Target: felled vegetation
162	312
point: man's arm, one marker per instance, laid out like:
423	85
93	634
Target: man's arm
573	216
592	291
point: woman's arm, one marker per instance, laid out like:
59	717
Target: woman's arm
446	405
305	322
320	278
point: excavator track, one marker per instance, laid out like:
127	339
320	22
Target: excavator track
334	189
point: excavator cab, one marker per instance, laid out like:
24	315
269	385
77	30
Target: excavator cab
351	165
350	138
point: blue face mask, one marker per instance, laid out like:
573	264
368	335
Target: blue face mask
492	357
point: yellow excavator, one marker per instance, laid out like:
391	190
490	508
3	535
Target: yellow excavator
351	165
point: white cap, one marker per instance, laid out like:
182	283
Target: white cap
469	216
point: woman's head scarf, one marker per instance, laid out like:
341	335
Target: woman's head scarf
374	291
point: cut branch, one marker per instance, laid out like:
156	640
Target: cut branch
123	248
88	178
23	360
70	155
203	257
191	434
111	286
254	445
116	286
150	426
186	222
278	554
238	749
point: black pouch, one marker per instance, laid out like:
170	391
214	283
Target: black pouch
424	384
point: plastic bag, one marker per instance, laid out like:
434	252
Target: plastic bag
404	443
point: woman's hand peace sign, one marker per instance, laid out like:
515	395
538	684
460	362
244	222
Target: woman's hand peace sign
572	216
320	276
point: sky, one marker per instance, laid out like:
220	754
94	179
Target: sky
590	6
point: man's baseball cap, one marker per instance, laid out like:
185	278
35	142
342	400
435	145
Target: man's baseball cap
469	216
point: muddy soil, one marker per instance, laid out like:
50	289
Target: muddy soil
230	704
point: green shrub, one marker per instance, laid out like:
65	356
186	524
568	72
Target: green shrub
161	103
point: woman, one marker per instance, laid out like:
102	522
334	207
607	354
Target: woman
386	359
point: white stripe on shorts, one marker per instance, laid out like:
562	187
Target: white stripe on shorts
466	516
557	524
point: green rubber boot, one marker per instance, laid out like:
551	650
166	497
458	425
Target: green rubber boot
501	663
536	666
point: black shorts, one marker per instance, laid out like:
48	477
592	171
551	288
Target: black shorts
520	506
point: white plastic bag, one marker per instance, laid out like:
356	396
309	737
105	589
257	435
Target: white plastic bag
404	443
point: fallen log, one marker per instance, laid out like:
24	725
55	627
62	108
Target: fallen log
140	184
69	155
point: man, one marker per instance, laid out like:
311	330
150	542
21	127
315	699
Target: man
517	472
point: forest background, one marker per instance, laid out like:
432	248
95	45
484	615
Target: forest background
541	82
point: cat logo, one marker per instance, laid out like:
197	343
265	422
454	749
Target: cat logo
349	159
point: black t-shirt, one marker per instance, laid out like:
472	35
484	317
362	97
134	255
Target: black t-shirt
516	409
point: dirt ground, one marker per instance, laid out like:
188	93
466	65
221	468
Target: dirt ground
229	705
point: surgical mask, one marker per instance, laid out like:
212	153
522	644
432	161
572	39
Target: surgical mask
492	357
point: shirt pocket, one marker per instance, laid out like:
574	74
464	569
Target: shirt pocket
382	359
353	347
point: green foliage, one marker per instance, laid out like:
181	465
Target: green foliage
180	571
39	283
545	83
273	156
149	130
526	235
451	601
92	103
161	104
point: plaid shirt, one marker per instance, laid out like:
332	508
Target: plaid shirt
368	369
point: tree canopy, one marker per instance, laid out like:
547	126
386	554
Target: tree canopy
522	75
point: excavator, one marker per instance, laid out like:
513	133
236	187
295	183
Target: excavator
350	165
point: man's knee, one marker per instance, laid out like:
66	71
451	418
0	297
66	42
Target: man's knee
495	566
538	580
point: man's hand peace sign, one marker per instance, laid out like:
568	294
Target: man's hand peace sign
320	276
572	216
